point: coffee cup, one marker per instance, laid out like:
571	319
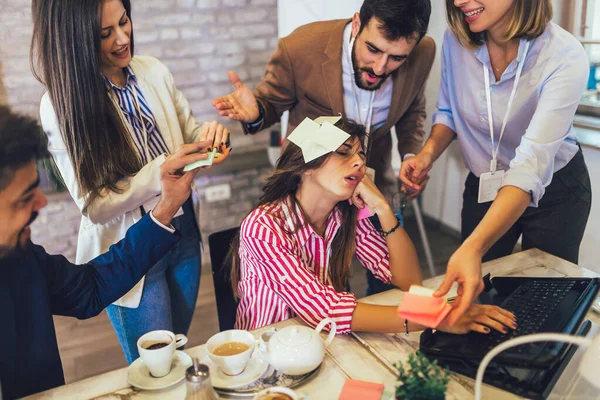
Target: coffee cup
157	348
231	350
276	393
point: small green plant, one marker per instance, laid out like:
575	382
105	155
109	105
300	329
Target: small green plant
421	380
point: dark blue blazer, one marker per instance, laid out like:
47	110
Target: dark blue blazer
35	285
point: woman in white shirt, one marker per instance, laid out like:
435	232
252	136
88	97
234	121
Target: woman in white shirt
511	83
112	119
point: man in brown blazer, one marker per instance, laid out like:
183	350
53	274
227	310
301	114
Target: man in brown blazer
371	69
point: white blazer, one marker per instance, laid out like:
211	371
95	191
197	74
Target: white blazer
106	220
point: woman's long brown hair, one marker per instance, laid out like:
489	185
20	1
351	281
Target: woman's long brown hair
282	185
65	58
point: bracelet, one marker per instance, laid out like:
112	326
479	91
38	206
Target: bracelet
388	233
406	326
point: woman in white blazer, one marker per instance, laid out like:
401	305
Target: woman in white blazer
112	119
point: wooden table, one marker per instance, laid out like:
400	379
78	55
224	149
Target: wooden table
367	357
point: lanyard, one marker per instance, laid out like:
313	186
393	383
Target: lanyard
369	117
488	98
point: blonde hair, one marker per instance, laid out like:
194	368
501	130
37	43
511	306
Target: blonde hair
529	19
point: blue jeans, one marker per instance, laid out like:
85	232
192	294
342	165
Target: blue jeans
170	291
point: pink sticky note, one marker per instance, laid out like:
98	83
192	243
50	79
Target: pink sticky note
364	213
359	390
423	310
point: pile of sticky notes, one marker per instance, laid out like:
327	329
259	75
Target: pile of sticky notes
202	163
359	390
364	213
419	306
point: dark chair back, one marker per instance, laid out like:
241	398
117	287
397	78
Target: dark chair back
219	244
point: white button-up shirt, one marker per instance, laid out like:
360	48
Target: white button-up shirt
539	138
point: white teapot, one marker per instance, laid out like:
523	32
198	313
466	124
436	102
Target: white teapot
296	350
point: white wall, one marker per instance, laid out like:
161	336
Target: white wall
294	13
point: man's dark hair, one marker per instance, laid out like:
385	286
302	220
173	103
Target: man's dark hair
21	141
397	18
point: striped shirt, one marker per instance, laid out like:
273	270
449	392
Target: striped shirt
285	274
129	99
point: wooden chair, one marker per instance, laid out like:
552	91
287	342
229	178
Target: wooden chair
219	244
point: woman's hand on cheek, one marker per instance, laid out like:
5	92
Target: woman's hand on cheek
366	194
481	318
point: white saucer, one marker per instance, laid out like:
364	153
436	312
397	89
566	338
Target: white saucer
139	376
256	367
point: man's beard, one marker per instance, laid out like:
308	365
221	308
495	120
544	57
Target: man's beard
358	72
20	248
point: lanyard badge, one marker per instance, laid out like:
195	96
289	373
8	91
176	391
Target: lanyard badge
490	182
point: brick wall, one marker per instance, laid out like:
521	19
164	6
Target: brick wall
199	40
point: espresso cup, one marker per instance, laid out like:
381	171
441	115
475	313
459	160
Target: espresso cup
157	348
231	364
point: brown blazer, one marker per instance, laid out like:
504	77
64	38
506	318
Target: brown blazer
304	75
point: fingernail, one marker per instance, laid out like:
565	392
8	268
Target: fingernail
486	330
515	326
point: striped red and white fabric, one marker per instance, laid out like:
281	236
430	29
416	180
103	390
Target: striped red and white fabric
284	272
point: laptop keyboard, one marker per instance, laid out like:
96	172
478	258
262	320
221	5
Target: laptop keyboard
532	303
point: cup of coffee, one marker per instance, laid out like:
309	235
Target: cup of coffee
157	348
276	393
231	350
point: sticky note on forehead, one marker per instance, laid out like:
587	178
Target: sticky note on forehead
202	163
317	138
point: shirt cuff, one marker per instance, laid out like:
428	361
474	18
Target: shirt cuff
408	155
342	312
444	118
157	222
253	127
527	181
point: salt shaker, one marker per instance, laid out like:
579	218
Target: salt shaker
198	384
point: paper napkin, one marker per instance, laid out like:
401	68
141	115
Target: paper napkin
317	138
419	306
202	163
359	390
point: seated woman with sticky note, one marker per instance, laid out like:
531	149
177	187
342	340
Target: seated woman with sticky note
295	249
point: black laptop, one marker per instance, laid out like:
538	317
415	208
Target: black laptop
541	305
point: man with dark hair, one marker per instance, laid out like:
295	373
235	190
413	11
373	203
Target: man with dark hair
342	67
35	285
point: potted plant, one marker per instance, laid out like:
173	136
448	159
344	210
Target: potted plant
421	379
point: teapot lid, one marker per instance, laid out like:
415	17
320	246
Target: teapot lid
295	335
